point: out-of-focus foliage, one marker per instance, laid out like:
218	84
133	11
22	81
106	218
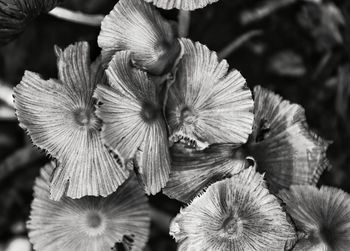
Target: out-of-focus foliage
302	54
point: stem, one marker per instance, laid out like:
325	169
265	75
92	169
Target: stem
235	44
264	9
77	17
184	19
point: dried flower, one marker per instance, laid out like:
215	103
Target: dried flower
133	124
59	117
136	26
237	213
282	143
193	170
181	4
16	14
322	216
207	104
89	223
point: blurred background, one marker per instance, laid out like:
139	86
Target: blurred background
298	48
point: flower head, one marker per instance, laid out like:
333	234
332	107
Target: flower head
133	125
206	104
89	223
181	4
282	143
237	213
16	14
136	26
193	170
59	116
322	216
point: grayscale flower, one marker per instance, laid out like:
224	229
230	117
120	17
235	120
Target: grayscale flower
193	170
234	214
136	26
133	124
59	115
283	145
207	104
89	223
15	15
181	4
321	216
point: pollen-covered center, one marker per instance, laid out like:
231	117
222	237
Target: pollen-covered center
149	112
232	227
95	223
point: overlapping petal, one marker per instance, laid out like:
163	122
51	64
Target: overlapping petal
89	223
207	104
322	216
237	213
133	123
193	170
181	4
282	143
137	26
59	117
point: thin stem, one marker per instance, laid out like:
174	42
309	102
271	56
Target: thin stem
77	17
184	19
235	44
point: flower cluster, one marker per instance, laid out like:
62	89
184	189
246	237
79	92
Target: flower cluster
166	111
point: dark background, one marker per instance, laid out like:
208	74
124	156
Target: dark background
302	52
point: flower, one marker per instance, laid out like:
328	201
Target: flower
237	213
282	144
15	15
206	104
193	170
133	124
181	4
136	26
59	116
322	216
89	223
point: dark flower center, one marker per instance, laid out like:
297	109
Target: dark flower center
149	112
82	117
94	220
187	115
232	227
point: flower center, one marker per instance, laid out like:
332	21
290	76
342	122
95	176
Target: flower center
95	225
232	227
149	112
82	117
187	115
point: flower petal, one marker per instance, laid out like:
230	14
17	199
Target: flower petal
192	170
321	215
90	223
282	144
136	26
59	117
207	104
133	122
237	213
181	4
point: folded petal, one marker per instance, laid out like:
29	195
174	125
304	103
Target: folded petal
207	104
90	223
133	123
59	117
136	26
192	171
282	143
237	213
322	216
181	4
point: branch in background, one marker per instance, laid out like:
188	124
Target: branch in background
6	94
263	10
77	17
7	114
234	45
18	160
343	96
184	19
